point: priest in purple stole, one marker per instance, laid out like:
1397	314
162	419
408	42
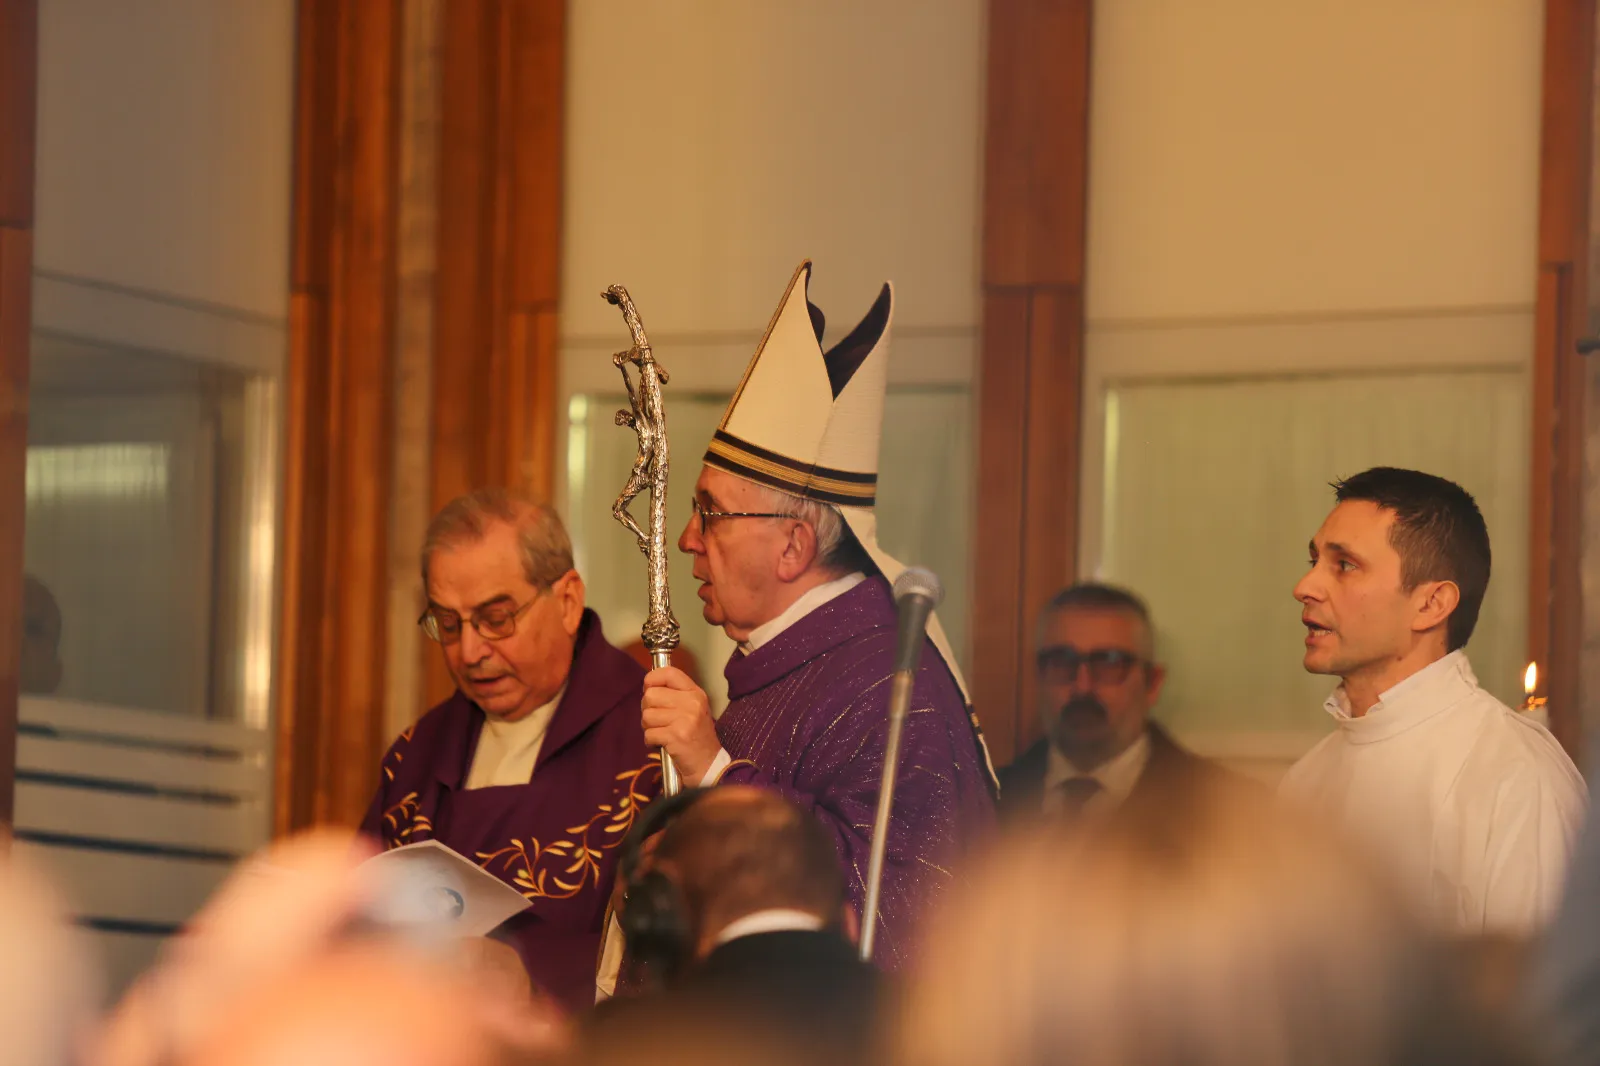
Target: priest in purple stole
784	543
536	767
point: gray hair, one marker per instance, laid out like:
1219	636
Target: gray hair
1096	596
541	537
838	549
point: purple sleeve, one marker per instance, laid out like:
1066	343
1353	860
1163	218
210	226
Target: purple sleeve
940	800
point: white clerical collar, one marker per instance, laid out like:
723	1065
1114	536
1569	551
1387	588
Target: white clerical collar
810	601
776	920
1116	775
507	751
1436	687
535	722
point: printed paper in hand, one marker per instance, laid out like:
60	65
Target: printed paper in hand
429	885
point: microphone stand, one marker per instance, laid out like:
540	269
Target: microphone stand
917	592
899	706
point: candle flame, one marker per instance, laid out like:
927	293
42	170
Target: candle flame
1530	679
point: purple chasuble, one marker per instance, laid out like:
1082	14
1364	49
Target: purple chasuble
808	715
554	839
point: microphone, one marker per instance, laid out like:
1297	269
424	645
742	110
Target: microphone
916	593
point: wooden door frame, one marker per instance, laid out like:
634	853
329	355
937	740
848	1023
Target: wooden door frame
494	249
1555	529
19	65
332	646
1030	380
498	277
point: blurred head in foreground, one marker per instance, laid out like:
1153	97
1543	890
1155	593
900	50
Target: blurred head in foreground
358	1006
291	963
1217	935
49	990
741	851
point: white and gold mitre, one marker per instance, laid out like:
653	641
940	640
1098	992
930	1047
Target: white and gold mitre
808	421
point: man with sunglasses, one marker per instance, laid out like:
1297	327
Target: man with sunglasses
1097	680
536	766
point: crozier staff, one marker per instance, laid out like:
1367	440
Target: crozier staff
647	416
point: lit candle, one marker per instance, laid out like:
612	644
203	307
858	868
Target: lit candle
1533	706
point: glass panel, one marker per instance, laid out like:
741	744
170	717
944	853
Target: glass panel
923	509
1213	489
925	495
149	532
599	455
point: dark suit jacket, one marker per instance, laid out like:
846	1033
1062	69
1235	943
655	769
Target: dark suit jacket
804	993
1171	772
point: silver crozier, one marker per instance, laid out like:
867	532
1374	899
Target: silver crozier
648	418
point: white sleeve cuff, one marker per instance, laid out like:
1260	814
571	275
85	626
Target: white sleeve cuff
716	769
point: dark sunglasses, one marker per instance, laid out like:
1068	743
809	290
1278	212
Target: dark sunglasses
1107	666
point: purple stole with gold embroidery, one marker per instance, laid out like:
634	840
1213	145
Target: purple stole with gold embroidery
554	839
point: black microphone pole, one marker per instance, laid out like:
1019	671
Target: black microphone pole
917	592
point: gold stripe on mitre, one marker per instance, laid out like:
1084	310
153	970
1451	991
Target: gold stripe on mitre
840	487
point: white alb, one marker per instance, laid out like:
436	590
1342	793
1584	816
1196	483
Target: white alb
1474	807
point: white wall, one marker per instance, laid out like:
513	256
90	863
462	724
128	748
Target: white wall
164	144
1254	157
711	146
1329	205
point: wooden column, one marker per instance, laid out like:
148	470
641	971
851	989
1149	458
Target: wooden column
499	253
332	653
1031	377
19	59
487	259
1555	605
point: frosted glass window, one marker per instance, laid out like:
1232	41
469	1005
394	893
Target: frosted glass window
101	472
147	549
1213	489
924	513
925	495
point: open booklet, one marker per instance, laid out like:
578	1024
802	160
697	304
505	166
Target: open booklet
428	887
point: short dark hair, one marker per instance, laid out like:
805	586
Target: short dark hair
743	850
1438	532
1095	596
541	538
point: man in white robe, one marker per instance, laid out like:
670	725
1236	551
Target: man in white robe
1474	806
